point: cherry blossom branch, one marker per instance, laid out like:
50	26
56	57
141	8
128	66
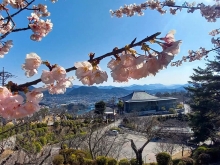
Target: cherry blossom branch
28	4
131	45
9	19
194	55
211	13
21	29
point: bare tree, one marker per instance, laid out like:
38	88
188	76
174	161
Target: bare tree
149	127
100	143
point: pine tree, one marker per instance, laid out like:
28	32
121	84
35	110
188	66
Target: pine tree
204	90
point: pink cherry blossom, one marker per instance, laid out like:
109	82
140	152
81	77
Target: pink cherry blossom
120	74
152	65
60	86
169	38
172	48
35	96
58	73
47	77
113	63
98	77
164	59
83	69
32	63
30	108
4	92
127	60
40	28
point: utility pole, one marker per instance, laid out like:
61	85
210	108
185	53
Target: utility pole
113	102
4	76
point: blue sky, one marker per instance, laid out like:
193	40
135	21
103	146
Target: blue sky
85	26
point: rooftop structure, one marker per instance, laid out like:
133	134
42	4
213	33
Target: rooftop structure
142	101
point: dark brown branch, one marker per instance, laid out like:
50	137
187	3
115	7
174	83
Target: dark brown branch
21	29
98	58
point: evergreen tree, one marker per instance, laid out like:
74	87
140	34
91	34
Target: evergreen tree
204	91
100	107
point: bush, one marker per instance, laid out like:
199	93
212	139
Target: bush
176	161
172	110
43	140
181	163
153	163
203	159
101	160
38	146
187	161
164	158
124	162
72	159
133	161
111	161
198	151
31	134
58	160
89	162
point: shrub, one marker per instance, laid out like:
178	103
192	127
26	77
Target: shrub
43	140
111	161
89	162
31	134
153	163
188	161
124	162
163	108
56	124
181	163
203	159
164	158
176	161
172	110
72	159
64	146
38	146
133	161
58	160
101	160
198	151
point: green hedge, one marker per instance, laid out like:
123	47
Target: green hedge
164	158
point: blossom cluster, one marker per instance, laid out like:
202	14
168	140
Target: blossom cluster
40	27
211	13
129	66
41	10
16	4
5	47
214	32
192	56
89	74
132	9
13	106
56	81
5	26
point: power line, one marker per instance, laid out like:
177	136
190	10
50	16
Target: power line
4	75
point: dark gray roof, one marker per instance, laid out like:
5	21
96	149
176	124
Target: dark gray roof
141	96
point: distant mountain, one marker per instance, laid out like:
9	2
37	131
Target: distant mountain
93	90
154	87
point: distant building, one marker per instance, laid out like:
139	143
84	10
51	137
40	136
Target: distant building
109	113
141	101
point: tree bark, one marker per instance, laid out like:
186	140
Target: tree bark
138	152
